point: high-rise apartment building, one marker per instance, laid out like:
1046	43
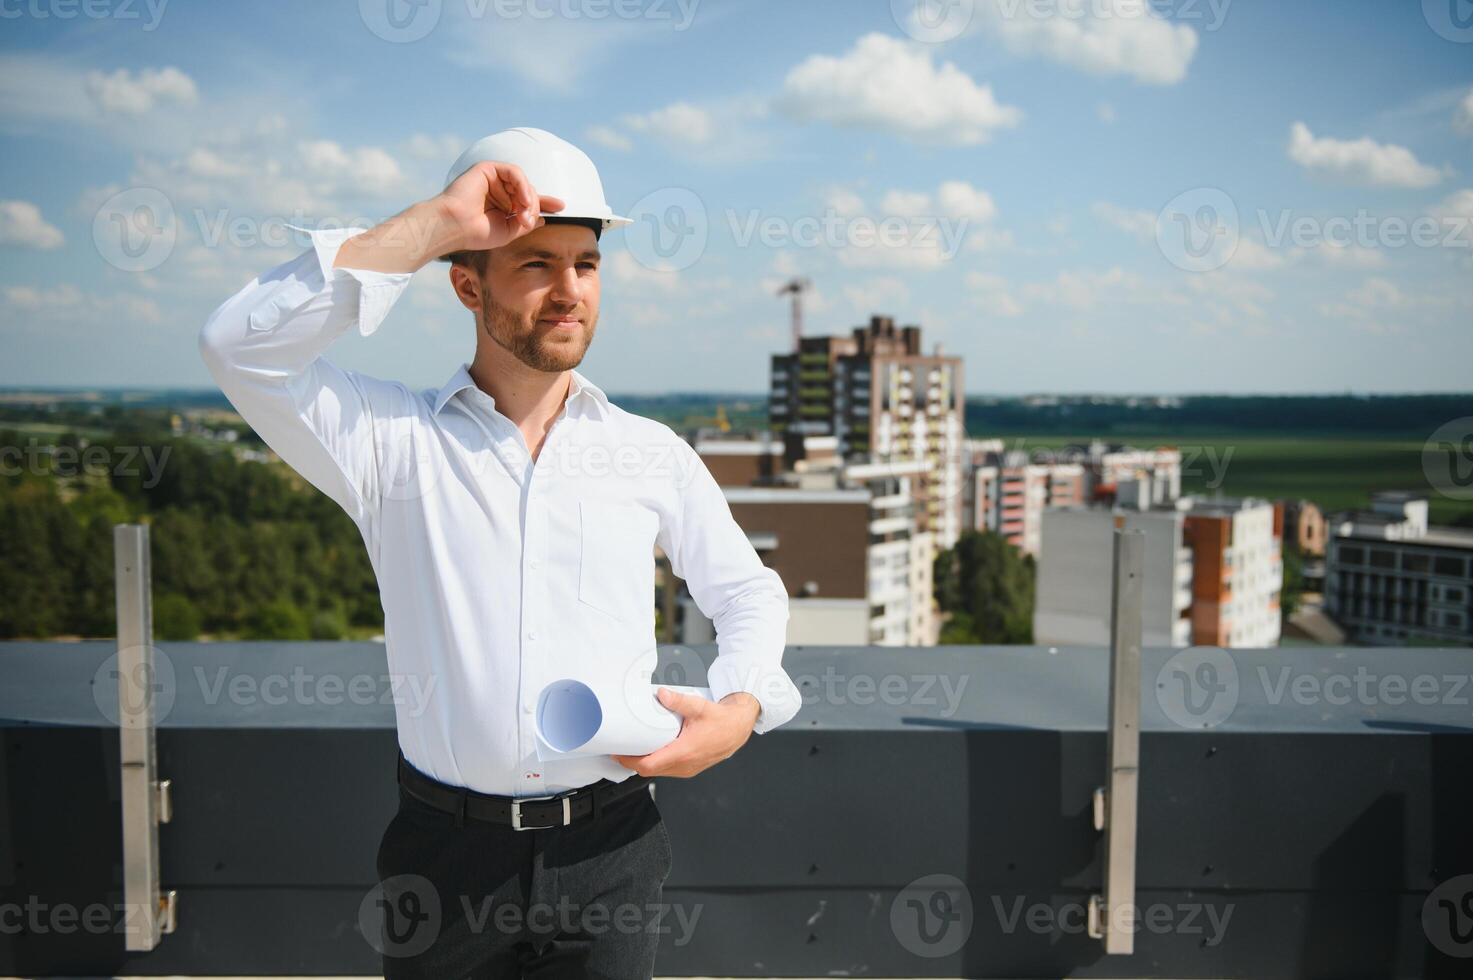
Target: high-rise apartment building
884	400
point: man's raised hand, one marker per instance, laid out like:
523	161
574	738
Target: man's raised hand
493	203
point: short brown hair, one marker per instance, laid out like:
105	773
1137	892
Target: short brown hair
475	260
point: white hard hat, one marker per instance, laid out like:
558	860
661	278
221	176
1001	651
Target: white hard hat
555	167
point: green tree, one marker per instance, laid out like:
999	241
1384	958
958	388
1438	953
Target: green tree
987	587
278	620
175	618
38	534
329	624
1293	586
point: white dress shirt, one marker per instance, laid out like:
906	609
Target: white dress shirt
498	574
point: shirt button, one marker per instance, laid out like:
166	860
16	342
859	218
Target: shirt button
531	634
534	563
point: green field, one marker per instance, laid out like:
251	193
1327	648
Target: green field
1336	473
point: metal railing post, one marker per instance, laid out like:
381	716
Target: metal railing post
146	801
1111	915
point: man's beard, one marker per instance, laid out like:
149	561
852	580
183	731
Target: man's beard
532	346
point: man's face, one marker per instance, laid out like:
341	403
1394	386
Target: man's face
539	296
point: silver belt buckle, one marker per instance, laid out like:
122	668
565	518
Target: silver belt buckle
516	810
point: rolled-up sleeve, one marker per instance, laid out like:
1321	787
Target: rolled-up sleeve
264	347
745	599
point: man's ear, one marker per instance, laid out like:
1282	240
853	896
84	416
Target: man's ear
467	286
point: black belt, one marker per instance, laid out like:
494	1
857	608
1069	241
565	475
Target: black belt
521	812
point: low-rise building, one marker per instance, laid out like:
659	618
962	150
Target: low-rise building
1212	571
1391	579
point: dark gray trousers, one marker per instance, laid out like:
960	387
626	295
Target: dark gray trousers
483	900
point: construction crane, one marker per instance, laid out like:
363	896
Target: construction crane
797	287
720	422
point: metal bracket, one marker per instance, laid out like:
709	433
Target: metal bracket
1115	804
147	801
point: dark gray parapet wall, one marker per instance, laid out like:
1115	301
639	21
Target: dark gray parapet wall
1297	808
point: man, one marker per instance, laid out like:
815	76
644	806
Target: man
511	517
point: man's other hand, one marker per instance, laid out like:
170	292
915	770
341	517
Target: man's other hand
709	732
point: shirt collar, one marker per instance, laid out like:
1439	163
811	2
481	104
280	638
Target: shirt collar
580	387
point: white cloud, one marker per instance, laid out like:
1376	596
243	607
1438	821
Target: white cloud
1463	118
1362	161
992	294
21	224
608	136
549	54
905	203
877	293
365	169
1136	223
990	240
625	270
1252	255
785	265
204	162
679	122
1101	37
844	202
1350	256
891	85
1378	292
1226	299
952	199
1457	207
1368	307
916	229
444	149
1083	290
960	199
241	195
122	91
721	132
66	304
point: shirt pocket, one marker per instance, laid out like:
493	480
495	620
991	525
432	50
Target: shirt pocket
616	571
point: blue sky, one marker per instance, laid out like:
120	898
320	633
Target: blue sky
1079	195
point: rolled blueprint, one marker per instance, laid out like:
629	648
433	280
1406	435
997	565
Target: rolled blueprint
575	720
